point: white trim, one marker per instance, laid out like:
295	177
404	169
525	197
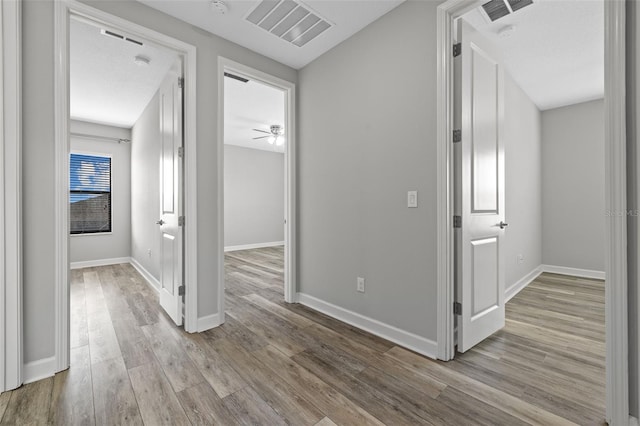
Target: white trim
208	322
99	262
40	369
289	89
575	272
446	13
617	359
11	351
633	421
63	10
149	278
254	246
519	285
617	368
403	338
61	183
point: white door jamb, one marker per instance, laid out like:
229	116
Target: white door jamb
11	358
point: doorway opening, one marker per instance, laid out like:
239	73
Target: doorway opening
485	262
257	162
124	127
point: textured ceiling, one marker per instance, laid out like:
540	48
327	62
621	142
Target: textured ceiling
106	86
348	17
249	106
555	53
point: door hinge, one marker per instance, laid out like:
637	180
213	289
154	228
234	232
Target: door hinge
181	152
180	220
181	290
181	82
457	49
457	135
457	308
457	221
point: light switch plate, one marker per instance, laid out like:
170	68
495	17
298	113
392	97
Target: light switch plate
412	199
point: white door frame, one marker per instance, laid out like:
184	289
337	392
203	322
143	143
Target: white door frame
11	358
615	189
289	89
64	9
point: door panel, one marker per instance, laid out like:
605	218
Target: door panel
171	233
484	274
484	150
480	176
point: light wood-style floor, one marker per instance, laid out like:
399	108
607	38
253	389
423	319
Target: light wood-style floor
273	364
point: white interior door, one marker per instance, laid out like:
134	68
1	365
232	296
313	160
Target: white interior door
479	247
171	235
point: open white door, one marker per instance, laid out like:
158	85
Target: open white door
171	236
480	175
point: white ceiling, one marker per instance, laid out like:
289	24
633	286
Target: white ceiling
249	106
348	17
106	86
556	53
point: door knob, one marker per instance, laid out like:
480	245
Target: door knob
503	225
160	222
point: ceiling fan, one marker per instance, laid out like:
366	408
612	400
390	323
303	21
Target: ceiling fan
274	136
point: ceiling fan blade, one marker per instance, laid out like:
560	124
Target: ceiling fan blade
263	131
262	137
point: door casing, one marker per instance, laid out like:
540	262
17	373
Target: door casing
617	367
289	89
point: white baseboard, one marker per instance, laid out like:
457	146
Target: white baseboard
99	262
253	246
151	280
521	283
40	369
403	338
563	270
633	421
208	322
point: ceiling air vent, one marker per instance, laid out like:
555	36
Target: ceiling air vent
288	20
496	9
236	77
519	4
119	36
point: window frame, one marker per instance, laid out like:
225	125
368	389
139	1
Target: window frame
111	185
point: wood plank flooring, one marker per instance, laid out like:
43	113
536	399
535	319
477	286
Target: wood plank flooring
275	364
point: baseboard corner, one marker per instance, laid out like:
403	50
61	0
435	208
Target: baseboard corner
38	370
208	322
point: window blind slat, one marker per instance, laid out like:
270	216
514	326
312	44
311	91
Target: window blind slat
90	193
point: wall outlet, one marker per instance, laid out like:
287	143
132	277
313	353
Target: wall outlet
520	258
149	252
360	285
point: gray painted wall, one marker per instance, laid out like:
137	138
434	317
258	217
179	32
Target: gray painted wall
145	188
523	183
38	154
253	196
573	219
116	244
377	92
633	187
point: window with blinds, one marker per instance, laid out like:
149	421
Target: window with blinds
89	194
